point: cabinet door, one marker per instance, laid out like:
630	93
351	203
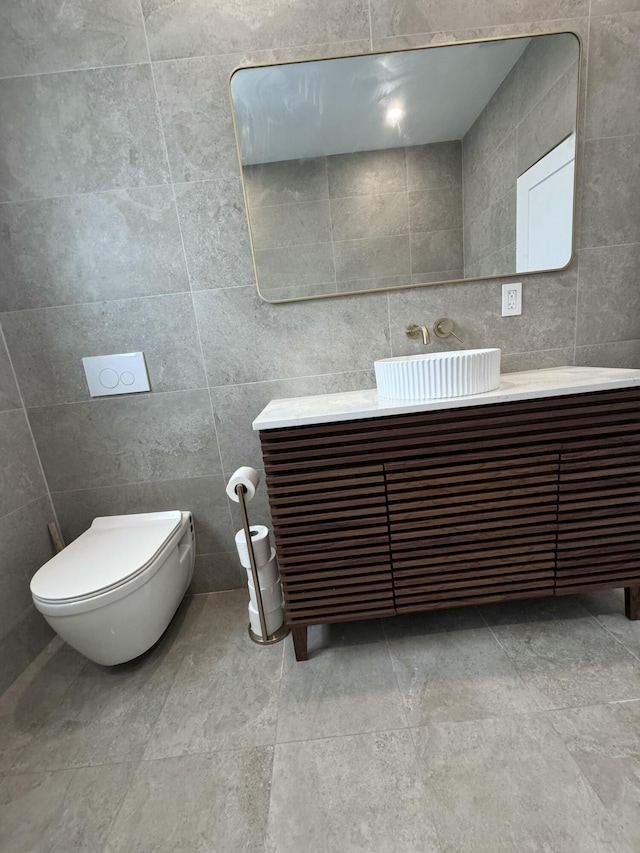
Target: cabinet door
599	514
472	527
332	536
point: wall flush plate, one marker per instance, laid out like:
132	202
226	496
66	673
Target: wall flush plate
116	374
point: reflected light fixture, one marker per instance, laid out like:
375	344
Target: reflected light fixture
394	115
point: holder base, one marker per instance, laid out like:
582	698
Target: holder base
282	632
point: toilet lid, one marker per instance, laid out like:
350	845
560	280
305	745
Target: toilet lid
112	551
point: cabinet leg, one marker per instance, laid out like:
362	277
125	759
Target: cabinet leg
632	602
299	635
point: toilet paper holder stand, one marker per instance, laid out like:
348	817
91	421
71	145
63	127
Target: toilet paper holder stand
266	639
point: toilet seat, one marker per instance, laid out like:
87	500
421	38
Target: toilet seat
116	554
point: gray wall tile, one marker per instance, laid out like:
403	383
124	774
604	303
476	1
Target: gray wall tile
367	173
494	230
245	340
434	166
286	182
78	132
22	644
298	291
436	250
26	546
543	63
614	76
205	497
539	360
189	28
532	112
55	251
494	124
126	440
609	7
291	225
20	476
359	217
217	572
236	406
373	283
436	210
380	256
549	122
42	36
196	117
547	321
214	230
611	192
612	270
615	354
48	345
292	266
390	17
9	396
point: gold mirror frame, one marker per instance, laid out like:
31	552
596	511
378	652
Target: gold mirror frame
412	286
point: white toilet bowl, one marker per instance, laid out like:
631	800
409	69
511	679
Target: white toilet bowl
112	592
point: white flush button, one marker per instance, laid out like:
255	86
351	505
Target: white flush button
125	373
108	378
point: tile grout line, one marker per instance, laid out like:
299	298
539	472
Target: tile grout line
579	190
526	686
3	341
184	252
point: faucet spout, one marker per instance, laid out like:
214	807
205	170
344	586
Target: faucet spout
413	331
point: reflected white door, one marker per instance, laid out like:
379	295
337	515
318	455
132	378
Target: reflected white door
544	219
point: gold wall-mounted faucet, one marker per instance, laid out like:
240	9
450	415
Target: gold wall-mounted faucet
414	332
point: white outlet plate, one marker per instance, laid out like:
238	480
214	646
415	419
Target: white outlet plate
125	373
512	299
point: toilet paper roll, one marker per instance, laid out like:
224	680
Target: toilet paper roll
247	477
271	596
261	545
267	574
273	618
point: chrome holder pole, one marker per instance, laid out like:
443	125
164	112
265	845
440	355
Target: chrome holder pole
283	630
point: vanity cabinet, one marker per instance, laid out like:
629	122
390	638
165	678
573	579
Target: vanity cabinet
423	511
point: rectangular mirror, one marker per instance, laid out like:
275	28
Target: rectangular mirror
411	167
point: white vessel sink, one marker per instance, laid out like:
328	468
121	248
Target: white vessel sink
431	376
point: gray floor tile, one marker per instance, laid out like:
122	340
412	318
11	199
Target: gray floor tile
69	811
33	696
432	622
607	606
358	793
459	675
604	740
342	690
507	785
568	662
196	803
108	713
225	695
532	610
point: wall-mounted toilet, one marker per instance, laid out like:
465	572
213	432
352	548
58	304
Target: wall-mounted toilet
112	592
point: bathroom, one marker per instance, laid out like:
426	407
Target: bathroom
124	229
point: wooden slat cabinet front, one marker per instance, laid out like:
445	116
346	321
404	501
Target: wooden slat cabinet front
472	529
427	511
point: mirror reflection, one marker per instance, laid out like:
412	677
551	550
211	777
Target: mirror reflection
407	168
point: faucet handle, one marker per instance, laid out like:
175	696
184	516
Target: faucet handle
443	328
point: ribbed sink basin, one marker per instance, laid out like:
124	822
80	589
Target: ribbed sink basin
430	376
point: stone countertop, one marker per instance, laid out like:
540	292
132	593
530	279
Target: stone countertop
526	385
